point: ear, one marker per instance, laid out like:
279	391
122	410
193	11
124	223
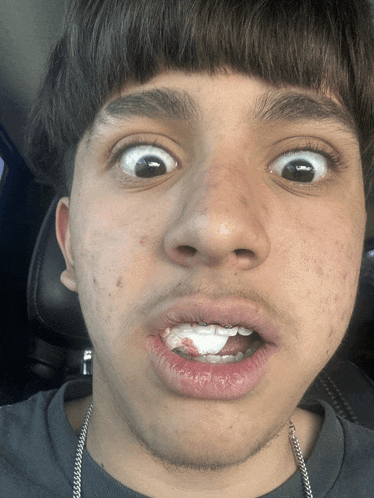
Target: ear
64	240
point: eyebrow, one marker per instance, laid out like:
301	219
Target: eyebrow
274	105
160	103
157	104
296	106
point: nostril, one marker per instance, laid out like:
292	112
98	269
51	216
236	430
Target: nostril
187	250
244	252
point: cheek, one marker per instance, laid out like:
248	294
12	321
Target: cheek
335	286
113	262
321	275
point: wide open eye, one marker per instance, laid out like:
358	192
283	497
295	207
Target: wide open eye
146	161
301	166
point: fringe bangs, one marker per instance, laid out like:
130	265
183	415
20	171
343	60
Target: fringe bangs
321	45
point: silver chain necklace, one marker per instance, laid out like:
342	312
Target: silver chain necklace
82	438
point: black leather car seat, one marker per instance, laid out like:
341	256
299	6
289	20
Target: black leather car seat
59	329
50	305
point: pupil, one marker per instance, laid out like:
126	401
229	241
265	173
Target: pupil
299	171
149	166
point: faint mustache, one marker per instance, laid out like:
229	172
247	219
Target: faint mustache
214	292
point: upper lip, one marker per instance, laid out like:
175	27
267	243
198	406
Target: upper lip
226	311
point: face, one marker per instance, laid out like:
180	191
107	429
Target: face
211	204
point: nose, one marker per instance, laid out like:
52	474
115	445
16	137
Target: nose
221	220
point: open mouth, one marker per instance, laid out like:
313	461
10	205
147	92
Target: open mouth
212	343
211	349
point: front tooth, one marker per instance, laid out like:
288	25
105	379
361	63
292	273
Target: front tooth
233	331
209	329
216	359
203	329
212	358
243	331
182	327
226	332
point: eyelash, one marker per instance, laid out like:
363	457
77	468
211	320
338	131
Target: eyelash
116	155
332	156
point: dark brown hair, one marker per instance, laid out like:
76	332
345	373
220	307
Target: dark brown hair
316	44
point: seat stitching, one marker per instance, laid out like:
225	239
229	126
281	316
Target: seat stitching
348	407
335	402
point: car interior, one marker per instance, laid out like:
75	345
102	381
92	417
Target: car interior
43	338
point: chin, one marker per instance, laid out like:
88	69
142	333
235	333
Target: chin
201	450
209	459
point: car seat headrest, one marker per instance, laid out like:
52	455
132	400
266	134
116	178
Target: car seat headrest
53	310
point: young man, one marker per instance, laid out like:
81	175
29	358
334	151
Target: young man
212	159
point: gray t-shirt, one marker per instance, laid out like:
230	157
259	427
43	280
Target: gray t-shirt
39	447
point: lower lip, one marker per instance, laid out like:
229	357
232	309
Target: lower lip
204	380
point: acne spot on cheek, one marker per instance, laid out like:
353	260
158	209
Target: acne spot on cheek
119	283
94	281
143	240
214	185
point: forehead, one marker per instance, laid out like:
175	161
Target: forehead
180	96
